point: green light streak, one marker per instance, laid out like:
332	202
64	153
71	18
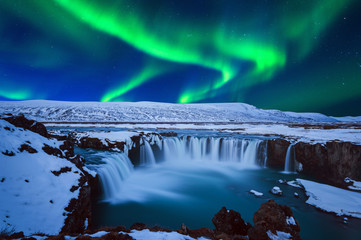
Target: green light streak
149	72
18	94
175	45
218	48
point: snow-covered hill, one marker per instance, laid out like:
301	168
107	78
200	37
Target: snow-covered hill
36	187
55	111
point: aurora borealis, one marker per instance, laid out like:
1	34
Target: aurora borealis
301	55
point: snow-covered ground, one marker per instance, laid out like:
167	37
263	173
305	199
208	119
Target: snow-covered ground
299	133
332	199
55	111
138	235
32	198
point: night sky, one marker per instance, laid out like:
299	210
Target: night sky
296	55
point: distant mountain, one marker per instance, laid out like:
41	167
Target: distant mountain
56	111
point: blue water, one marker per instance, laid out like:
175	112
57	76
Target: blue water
191	192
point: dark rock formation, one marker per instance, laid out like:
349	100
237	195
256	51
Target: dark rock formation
95	143
273	217
276	152
331	162
230	222
78	211
8	153
169	134
32	125
28	148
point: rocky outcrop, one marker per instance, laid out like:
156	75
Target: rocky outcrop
95	143
276	152
32	125
331	162
230	222
271	219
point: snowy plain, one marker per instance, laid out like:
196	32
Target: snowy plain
56	111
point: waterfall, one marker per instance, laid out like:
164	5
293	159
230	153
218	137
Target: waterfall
116	167
146	155
247	152
290	161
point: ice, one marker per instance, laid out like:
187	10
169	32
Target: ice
257	194
332	199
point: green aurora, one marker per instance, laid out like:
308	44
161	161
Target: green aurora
216	50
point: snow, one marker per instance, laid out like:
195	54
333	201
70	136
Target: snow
292	133
355	184
30	193
56	111
276	191
290	221
257	194
294	184
332	199
279	235
146	235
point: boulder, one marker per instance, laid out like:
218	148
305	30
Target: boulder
230	222
273	218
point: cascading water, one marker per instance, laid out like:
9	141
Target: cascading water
146	155
290	161
248	152
114	169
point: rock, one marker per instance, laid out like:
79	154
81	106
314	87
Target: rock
169	134
330	162
138	226
21	121
95	143
8	153
230	222
28	148
276	152
273	217
53	151
276	191
62	170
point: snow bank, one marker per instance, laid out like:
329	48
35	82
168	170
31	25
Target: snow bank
146	235
332	199
32	197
